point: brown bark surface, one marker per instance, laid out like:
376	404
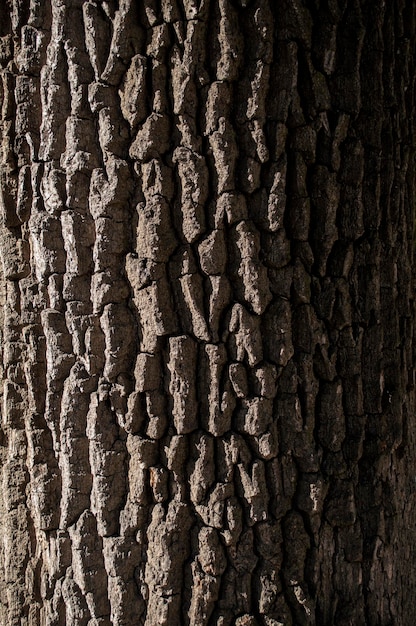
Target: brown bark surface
207	317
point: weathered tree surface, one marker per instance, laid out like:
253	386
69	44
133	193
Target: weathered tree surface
207	316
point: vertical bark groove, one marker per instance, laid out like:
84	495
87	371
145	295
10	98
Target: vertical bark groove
207	312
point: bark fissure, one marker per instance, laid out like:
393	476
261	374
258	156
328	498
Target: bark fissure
207	313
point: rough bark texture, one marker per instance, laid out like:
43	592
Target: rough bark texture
207	313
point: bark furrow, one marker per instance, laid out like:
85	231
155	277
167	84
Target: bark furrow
206	238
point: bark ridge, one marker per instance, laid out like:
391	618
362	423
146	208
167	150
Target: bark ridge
207	313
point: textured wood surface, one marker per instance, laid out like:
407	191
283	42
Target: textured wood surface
207	315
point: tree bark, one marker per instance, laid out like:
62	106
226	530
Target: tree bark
207	212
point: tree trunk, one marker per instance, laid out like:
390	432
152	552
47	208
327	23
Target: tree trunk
207	213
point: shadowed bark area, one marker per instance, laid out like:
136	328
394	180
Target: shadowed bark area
207	315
